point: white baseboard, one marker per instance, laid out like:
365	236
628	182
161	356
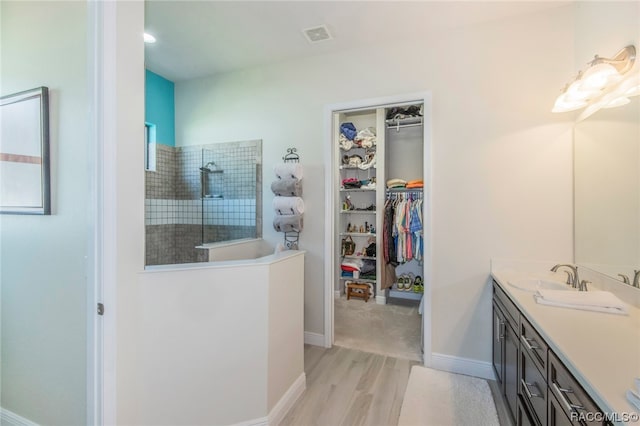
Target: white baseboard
282	407
314	339
381	300
337	294
469	367
8	418
262	421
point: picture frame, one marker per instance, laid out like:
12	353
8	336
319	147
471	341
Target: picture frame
25	186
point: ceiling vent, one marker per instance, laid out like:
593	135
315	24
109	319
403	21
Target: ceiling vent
317	34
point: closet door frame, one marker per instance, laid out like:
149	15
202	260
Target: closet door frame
332	157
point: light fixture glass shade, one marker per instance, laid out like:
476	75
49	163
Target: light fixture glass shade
575	92
148	38
564	104
622	100
599	76
631	85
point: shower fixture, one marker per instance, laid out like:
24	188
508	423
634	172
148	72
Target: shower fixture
207	168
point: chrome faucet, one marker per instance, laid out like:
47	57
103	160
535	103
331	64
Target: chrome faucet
625	279
572	279
636	278
583	285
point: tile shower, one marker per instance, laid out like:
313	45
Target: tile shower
186	206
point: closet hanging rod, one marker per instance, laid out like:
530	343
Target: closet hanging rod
402	126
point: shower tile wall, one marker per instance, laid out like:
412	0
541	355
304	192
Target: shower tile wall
178	219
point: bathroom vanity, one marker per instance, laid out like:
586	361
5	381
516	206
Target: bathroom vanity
559	366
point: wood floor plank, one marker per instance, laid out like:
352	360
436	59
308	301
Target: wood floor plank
348	387
371	373
357	412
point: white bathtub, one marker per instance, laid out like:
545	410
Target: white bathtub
222	342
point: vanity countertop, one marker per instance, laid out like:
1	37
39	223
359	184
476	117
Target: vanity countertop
601	350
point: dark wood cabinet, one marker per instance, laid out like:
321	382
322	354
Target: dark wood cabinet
522	417
537	388
506	349
556	414
511	368
498	336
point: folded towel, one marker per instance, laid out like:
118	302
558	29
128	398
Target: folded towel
634	398
417	183
599	301
291	223
288	187
288	170
396	183
288	205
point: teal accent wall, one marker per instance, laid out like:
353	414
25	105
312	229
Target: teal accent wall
160	107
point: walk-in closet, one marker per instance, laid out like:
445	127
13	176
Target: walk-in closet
379	225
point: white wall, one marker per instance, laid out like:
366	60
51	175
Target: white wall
502	182
124	82
43	272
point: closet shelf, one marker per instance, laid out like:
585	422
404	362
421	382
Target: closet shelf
405	189
359	280
344	167
357	212
357	234
404	294
360	257
358	190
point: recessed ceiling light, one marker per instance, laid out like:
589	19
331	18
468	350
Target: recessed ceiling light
148	38
317	34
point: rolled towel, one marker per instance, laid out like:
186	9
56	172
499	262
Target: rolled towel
599	301
288	205
634	398
288	170
288	187
292	223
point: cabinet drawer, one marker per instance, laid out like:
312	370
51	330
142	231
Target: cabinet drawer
534	344
572	398
557	417
511	311
523	418
533	388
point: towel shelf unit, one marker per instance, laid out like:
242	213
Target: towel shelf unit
291	238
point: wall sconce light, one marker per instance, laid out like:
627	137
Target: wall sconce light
607	83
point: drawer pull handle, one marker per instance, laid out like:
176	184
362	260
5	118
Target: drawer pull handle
531	344
561	394
499	329
528	392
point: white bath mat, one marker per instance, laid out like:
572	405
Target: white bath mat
439	398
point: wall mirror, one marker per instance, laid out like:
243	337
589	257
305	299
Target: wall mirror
196	192
607	191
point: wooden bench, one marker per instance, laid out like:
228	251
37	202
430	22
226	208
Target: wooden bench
351	287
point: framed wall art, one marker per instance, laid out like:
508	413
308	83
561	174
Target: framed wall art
24	153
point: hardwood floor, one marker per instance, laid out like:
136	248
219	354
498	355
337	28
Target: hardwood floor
350	387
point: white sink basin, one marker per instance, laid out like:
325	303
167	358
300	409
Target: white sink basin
532	284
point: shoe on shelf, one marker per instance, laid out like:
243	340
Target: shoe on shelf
400	283
408	282
418	285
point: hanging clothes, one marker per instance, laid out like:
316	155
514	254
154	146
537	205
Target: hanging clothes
403	236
